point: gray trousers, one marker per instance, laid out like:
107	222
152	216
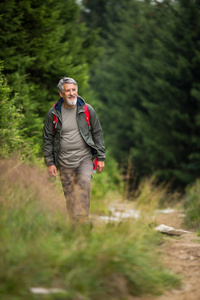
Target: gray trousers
76	185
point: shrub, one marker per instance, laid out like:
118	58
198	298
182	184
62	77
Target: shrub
10	117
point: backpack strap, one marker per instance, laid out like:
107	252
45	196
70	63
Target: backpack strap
55	119
95	164
87	117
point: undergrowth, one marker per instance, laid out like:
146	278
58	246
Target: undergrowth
38	248
192	206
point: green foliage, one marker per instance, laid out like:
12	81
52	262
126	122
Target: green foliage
111	262
106	186
41	41
165	127
12	136
10	119
192	206
148	82
99	14
109	179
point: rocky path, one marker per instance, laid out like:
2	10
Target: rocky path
181	255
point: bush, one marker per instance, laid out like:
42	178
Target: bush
12	137
10	118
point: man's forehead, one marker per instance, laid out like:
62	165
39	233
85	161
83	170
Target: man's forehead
69	86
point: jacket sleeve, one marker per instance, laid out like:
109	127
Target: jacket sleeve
97	134
48	139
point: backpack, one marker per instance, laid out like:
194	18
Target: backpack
87	118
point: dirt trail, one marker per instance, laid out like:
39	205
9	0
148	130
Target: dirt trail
181	255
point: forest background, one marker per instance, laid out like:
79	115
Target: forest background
136	62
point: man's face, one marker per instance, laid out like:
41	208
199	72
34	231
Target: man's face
69	94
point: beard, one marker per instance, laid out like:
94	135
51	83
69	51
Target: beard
71	102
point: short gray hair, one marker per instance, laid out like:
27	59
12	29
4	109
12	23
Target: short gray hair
66	80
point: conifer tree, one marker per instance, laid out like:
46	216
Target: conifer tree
11	138
41	41
148	80
99	14
166	129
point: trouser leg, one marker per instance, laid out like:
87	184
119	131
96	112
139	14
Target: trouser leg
76	186
83	189
67	177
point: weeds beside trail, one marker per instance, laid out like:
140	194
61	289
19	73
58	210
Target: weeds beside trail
192	206
39	248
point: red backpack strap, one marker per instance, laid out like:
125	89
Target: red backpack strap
87	115
55	119
95	164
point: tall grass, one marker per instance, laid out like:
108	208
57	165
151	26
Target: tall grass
192	206
39	248
105	187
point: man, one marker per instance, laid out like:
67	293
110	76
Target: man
71	146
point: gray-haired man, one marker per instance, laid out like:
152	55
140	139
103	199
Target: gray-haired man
72	146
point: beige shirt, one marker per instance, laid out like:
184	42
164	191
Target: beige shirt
73	149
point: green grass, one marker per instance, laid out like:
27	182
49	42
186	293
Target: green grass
38	248
192	206
105	187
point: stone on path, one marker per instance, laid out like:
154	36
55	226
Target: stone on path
170	230
46	291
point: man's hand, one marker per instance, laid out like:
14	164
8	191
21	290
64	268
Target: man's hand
100	166
52	171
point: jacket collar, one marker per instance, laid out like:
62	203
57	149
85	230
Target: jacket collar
80	102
